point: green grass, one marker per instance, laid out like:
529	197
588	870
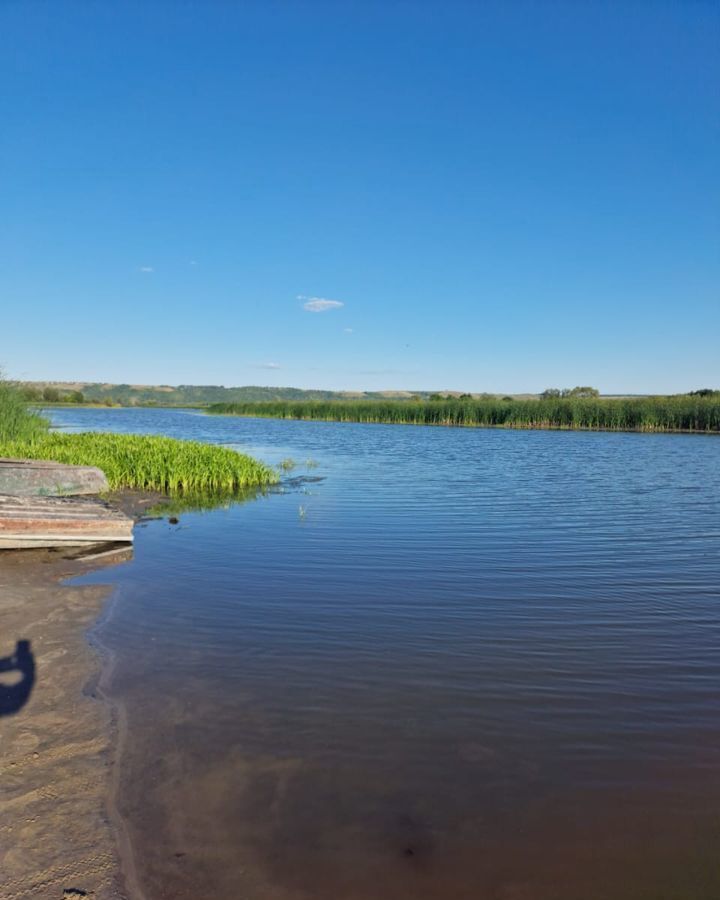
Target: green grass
17	421
681	412
149	462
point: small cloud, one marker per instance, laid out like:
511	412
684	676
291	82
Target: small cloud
267	365
193	262
319	304
348	330
147	269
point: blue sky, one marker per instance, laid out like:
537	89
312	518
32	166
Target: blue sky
503	197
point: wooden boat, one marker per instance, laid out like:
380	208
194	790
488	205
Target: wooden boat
60	522
45	478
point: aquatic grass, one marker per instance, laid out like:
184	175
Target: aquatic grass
680	412
149	462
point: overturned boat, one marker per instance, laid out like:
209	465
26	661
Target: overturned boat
27	522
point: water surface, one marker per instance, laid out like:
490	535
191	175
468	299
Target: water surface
458	663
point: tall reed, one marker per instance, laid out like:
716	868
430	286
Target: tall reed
17	421
672	413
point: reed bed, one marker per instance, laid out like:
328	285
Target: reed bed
149	462
649	414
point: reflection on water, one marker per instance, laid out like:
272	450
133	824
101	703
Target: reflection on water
479	664
191	502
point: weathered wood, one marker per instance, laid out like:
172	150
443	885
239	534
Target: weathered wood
45	478
60	522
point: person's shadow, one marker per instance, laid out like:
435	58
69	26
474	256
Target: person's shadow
15	695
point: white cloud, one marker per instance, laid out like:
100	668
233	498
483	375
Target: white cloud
193	262
348	330
267	365
319	304
147	269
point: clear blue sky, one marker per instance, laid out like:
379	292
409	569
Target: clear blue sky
503	197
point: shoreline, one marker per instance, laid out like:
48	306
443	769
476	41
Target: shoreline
61	830
127	869
59	749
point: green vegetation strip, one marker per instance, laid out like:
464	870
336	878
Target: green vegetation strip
149	462
674	413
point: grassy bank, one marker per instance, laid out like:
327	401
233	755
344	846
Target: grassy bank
674	413
128	460
149	462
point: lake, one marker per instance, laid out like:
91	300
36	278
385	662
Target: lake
436	663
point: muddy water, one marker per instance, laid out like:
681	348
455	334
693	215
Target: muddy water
454	664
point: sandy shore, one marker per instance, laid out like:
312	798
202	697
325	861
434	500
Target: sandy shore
56	755
59	834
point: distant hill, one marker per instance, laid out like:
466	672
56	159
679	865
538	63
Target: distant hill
193	394
207	394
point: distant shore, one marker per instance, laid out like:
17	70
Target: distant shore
677	414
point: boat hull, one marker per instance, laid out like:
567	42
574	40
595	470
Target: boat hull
45	478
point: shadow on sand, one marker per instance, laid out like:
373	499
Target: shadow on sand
14	695
18	670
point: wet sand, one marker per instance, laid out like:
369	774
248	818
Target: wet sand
59	835
56	760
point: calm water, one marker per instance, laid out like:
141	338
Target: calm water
459	664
